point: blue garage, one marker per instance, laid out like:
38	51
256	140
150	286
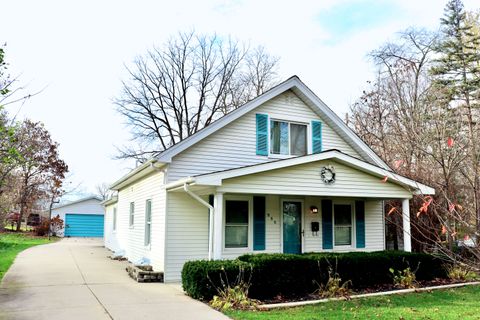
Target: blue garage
81	218
83	225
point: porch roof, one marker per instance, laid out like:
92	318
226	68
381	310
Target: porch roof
216	179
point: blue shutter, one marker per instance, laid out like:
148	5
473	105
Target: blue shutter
316	136
262	134
258	223
360	223
327	225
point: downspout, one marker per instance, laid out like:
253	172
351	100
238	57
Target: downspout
210	214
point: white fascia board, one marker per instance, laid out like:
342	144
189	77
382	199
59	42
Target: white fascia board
168	154
418	187
110	201
77	202
136	174
215	179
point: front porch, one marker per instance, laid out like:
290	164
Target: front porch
248	223
322	202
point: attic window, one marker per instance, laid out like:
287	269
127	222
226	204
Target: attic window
287	138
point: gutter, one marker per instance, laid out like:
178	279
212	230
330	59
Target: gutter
211	211
150	164
179	183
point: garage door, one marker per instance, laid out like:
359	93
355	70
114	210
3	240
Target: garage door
83	225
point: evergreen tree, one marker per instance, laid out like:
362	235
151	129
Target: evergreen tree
457	69
456	73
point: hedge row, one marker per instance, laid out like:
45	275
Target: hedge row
291	275
201	278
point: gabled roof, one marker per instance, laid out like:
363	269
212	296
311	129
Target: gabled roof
304	93
78	201
216	178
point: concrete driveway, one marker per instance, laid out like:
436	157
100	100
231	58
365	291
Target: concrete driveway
74	279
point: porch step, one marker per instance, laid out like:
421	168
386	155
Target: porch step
142	273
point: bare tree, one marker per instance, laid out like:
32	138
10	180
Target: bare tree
103	191
178	89
411	122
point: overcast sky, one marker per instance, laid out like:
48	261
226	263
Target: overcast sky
76	52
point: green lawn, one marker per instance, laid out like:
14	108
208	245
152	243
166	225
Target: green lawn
13	243
460	303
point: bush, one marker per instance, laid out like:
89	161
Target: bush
200	279
405	279
334	286
461	273
290	275
233	294
42	228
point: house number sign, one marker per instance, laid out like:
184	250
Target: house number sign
327	174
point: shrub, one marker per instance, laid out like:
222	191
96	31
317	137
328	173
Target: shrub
297	275
233	294
56	224
200	279
46	225
461	273
334	286
42	228
290	275
404	279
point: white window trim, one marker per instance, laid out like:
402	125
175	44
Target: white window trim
289	155
249	246
302	238
149	245
131	214
353	232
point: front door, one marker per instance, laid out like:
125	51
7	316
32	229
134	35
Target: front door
292	226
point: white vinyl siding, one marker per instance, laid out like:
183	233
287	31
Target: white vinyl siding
235	145
187	233
132	240
305	179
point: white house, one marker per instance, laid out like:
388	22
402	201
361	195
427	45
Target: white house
282	173
82	218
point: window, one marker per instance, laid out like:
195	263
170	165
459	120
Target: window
236	224
343	224
131	219
288	138
114	218
148	221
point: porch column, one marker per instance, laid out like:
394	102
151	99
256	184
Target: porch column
217	226
407	240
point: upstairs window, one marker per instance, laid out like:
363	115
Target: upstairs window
288	138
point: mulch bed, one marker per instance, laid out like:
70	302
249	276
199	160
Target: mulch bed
380	288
